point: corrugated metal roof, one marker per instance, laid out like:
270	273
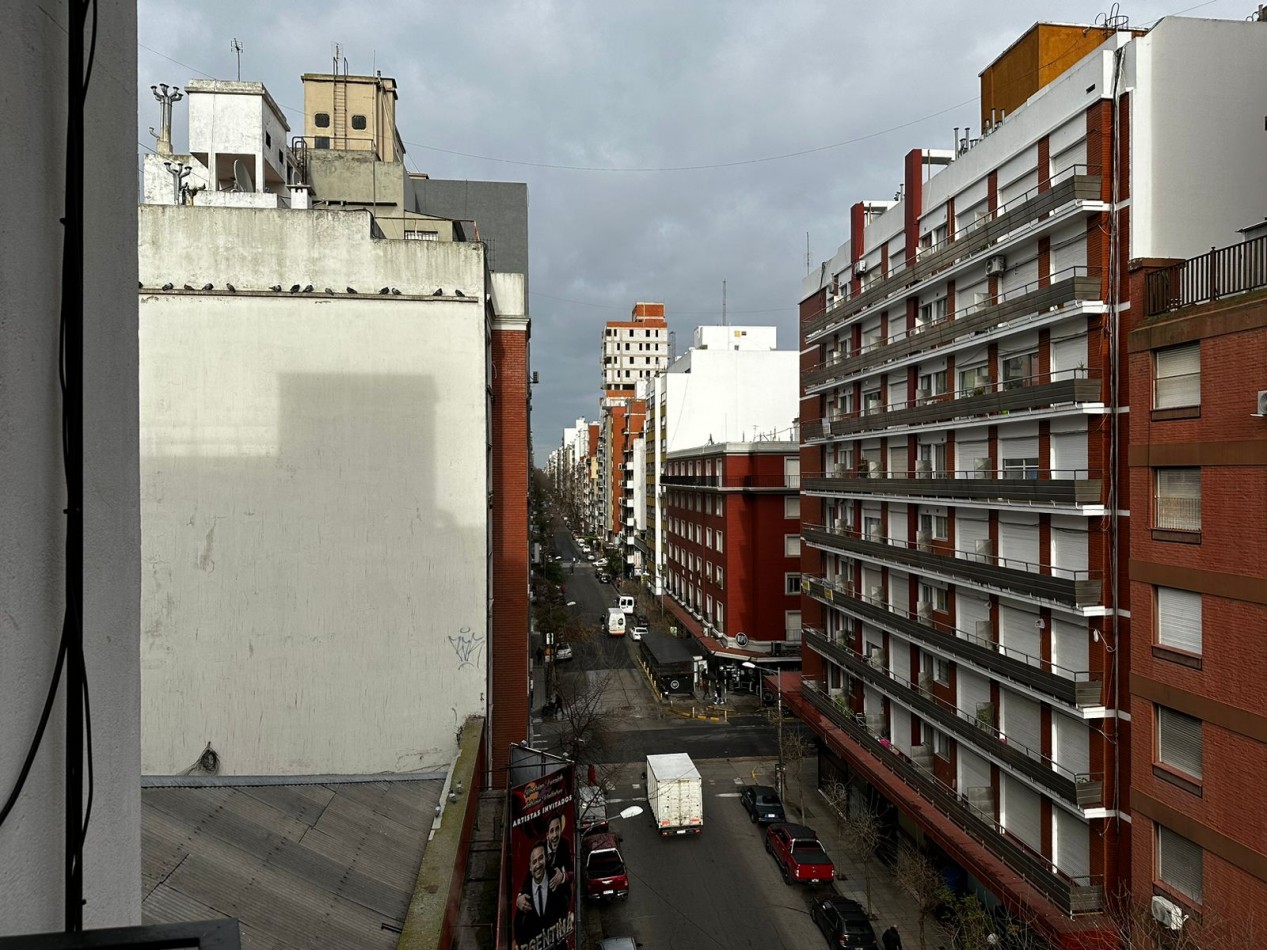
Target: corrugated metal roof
302	866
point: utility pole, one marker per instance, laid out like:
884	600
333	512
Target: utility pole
237	48
779	774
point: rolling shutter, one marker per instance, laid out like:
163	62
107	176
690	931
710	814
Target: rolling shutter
1068	553
1073	845
901	725
1179	619
968	531
1073	745
1022	723
1069	455
1069	649
1018	543
1022	813
1020	636
1178	377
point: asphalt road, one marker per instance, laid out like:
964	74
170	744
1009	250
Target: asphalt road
716	890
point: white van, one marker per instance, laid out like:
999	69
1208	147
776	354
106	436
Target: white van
626	604
615	622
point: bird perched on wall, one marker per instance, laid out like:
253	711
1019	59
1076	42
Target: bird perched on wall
294	288
189	287
438	292
169	286
330	291
276	288
230	288
458	293
395	292
208	286
384	291
351	290
308	289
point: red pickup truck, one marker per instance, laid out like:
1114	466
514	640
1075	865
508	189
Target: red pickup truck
798	853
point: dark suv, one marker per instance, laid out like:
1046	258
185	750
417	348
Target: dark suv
844	923
762	803
604	868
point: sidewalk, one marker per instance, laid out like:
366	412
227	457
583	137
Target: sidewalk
890	904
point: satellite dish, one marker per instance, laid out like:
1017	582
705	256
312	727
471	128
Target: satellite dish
241	177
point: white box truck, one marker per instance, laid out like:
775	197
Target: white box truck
675	794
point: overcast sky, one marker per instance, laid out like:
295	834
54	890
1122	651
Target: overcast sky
667	146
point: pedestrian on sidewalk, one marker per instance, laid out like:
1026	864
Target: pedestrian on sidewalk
891	939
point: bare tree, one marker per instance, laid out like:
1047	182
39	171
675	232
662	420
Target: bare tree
860	828
970	925
919	877
586	720
1210	930
794	748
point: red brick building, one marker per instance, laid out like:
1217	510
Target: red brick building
1198	586
733	532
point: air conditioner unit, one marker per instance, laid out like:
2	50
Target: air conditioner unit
1262	403
923	541
859	268
995	265
1167	913
924	609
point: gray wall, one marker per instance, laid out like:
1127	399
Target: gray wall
500	208
32	150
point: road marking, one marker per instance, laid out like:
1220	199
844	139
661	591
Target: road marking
726	795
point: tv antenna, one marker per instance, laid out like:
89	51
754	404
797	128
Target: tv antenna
808	260
237	48
723	303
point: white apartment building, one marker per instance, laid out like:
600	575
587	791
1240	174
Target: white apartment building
315	470
965	528
732	385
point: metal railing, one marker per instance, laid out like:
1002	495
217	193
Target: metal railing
1221	272
1076	895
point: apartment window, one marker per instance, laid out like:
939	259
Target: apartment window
717	509
1179	863
791	584
870	402
1178	506
872	530
936	596
708	607
321	141
720	616
1179	619
791	507
974	381
321	120
708	538
719	541
1020	370
1020	468
931	384
719	579
358	123
1177	377
931	313
934	525
1179	741
941	670
791	545
941	743
268	140
708	571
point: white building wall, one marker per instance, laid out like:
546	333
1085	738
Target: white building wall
313	485
717	400
32	112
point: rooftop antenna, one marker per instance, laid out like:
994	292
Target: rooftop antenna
237	48
723	303
165	99
808	260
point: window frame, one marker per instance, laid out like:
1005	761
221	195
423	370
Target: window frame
792	584
1174	521
1178	742
1172	618
790	540
1185	860
321	120
1176	355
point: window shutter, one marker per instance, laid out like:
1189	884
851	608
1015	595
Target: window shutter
1179	619
1179	499
1179	863
1179	740
1178	377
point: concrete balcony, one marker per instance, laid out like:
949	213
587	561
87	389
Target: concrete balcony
979	402
1076	689
1081	791
983	486
918	791
1039	581
1061	199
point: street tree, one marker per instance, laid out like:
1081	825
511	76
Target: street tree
919	877
860	828
587	721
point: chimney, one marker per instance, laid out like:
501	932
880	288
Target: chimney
165	99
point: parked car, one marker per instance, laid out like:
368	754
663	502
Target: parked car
603	577
638	632
800	856
844	923
563	651
762	802
604	868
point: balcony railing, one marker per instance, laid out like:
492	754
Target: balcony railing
1084	790
1066	586
1080	688
1022	210
1065	388
991	485
1032	298
1081	895
1221	272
